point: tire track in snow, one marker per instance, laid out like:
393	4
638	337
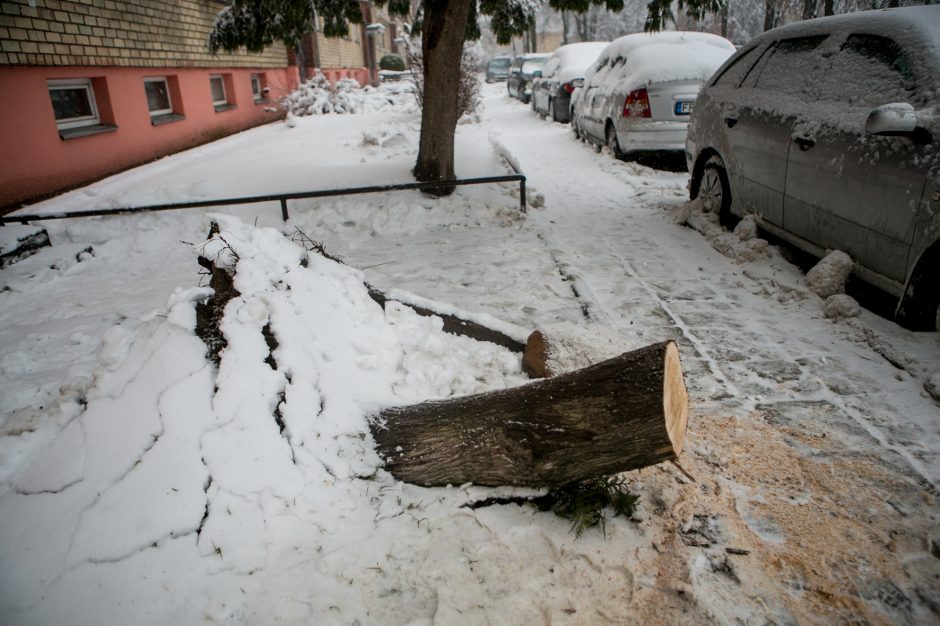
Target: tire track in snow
698	344
601	183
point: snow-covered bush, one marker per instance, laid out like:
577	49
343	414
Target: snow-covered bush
318	96
392	62
313	97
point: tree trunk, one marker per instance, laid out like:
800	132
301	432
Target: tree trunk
828	7
622	414
770	14
809	9
724	20
442	35
564	28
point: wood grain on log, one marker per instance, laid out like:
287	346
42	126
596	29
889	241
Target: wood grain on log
621	414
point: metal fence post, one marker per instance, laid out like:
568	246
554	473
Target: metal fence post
522	194
284	214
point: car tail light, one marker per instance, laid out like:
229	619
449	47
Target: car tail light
568	87
637	104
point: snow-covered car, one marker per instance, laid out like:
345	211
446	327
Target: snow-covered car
498	69
519	83
827	130
552	87
638	94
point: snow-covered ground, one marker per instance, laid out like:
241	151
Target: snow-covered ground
141	484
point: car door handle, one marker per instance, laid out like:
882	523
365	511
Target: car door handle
805	143
731	121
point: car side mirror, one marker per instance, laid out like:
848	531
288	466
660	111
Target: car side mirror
897	118
537	74
577	82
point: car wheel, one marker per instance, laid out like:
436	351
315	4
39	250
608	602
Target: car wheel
551	110
612	142
921	309
574	127
714	190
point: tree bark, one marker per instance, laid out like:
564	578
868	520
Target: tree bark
809	9
770	14
622	414
442	36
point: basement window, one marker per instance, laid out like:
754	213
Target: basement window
160	96
258	90
75	107
73	102
220	93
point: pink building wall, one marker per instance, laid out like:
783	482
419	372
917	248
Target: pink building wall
35	161
360	74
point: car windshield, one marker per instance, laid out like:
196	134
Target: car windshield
535	64
500	62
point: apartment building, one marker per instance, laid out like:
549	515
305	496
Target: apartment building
92	87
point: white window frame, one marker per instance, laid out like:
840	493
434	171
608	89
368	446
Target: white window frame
169	95
72	83
224	101
259	94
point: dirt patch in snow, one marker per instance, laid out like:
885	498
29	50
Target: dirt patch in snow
833	535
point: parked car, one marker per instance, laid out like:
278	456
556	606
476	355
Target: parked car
638	94
520	75
498	69
827	129
552	86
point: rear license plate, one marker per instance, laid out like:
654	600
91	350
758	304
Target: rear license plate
683	108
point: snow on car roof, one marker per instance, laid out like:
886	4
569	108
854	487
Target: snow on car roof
642	58
570	61
916	28
922	22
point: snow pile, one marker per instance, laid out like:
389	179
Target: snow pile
840	306
318	96
641	58
238	476
827	278
742	245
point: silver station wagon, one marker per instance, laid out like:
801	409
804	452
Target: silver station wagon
638	95
828	130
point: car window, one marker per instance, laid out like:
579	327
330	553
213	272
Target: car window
868	71
791	66
735	73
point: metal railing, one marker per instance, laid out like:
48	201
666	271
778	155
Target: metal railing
278	197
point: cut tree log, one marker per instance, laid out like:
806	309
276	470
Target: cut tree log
618	415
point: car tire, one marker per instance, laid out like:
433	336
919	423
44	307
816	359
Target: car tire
612	142
551	110
714	190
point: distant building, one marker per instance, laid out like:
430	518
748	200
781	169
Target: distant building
92	87
356	55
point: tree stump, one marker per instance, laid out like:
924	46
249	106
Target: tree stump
618	415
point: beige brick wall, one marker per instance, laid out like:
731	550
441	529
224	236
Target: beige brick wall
138	33
336	52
